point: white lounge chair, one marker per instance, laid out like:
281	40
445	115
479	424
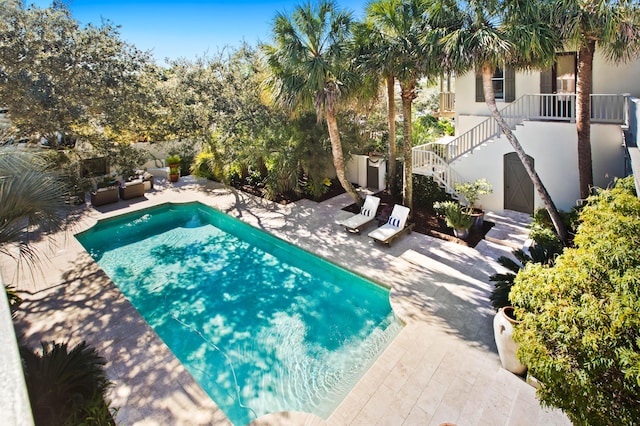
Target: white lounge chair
367	215
395	226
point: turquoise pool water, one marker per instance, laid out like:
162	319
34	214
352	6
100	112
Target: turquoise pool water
260	324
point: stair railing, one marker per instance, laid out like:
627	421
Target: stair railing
428	160
539	107
434	158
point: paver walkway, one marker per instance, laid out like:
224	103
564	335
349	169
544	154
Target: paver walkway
442	367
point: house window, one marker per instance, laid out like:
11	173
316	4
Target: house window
498	83
504	85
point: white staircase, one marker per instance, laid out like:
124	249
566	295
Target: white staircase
434	159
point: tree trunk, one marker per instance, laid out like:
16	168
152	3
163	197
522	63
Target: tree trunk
583	116
489	96
391	117
338	157
408	94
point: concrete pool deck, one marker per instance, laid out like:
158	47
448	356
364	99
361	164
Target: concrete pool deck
442	367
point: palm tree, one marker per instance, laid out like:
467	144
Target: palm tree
614	27
32	202
310	67
376	56
492	33
409	55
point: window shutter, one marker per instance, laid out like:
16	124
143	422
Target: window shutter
479	90
509	85
546	82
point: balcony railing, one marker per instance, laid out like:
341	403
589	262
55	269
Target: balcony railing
433	159
537	107
562	107
447	101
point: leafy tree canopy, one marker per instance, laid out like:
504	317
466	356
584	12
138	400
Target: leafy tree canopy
613	25
214	98
58	79
580	331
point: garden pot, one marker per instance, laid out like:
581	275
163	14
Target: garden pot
461	233
507	347
478	219
174	178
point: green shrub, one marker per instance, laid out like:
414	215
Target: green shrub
234	178
448	128
282	176
67	387
256	179
545	248
236	174
280	181
205	165
317	188
428	128
543	231
580	330
426	192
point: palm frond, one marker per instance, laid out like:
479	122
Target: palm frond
309	57
64	384
32	203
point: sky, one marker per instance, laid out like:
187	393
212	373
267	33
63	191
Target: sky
188	29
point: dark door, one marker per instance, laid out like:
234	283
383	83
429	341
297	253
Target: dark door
373	173
518	187
560	80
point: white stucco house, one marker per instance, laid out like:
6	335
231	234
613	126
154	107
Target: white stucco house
540	106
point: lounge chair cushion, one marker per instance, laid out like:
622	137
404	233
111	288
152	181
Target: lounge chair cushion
367	215
357	221
394	226
383	233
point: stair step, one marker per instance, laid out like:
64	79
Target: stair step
511	228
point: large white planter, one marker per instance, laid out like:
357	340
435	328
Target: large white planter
507	347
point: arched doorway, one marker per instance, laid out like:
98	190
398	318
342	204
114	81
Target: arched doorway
518	187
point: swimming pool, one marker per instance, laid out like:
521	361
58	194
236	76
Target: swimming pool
262	325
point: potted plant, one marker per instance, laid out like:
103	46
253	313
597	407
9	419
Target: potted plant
471	191
174	173
456	216
173	161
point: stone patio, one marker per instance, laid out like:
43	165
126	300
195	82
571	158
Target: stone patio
442	367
